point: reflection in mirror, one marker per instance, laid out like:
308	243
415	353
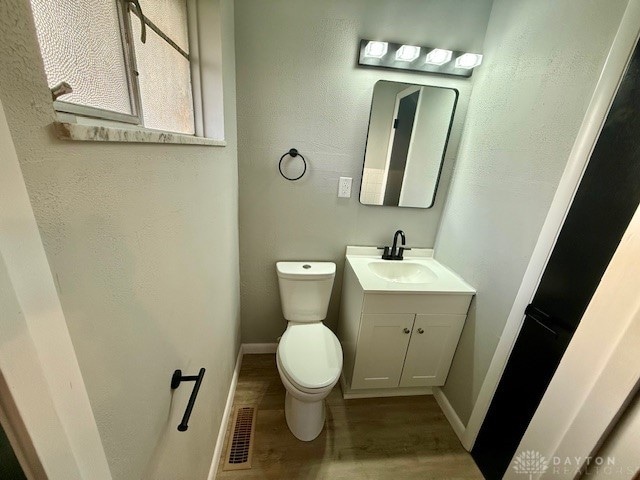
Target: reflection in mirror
408	133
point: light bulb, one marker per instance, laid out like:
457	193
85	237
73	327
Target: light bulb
468	60
438	56
407	53
375	49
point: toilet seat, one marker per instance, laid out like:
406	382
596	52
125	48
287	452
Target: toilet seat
301	393
310	356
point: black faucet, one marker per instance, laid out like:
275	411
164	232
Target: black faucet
396	252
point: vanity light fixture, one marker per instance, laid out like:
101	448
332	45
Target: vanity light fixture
407	53
416	58
438	56
469	60
376	49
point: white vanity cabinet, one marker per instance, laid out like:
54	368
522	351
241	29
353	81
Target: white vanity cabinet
405	350
433	342
398	341
381	349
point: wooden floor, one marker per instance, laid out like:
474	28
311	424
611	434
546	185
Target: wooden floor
375	438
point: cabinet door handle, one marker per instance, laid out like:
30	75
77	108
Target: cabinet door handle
407	331
420	331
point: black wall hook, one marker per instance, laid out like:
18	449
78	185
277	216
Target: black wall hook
178	378
293	153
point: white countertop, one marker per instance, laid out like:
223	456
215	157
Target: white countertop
447	282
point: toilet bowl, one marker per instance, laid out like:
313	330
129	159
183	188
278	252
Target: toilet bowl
309	355
309	359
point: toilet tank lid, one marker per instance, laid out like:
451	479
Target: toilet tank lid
306	270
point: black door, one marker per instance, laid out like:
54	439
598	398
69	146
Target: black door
400	149
9	466
606	199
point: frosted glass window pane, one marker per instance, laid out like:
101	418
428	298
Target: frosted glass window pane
170	16
165	83
81	45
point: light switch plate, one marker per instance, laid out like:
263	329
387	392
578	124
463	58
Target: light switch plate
344	187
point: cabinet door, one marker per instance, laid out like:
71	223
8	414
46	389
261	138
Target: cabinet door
382	346
431	350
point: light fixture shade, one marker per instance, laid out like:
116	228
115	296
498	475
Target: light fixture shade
376	49
407	53
438	56
468	60
378	54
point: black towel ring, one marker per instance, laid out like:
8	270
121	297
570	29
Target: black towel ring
293	153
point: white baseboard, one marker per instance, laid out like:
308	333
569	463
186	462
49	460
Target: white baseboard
245	349
217	452
258	348
457	425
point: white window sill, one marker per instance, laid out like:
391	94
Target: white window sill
100	133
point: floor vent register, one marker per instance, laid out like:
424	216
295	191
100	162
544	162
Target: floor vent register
239	449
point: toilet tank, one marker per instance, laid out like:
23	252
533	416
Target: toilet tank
305	289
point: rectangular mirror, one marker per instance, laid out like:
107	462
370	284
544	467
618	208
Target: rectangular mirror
408	132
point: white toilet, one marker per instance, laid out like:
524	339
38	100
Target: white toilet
309	355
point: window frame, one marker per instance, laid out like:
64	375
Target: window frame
125	9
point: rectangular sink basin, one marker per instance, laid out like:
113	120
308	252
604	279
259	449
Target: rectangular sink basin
405	271
419	272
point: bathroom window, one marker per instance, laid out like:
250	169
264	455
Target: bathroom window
125	61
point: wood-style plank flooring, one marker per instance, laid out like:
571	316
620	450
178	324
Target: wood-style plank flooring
373	438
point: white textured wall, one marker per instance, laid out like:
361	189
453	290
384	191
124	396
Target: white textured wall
35	344
299	86
542	61
622	444
142	241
